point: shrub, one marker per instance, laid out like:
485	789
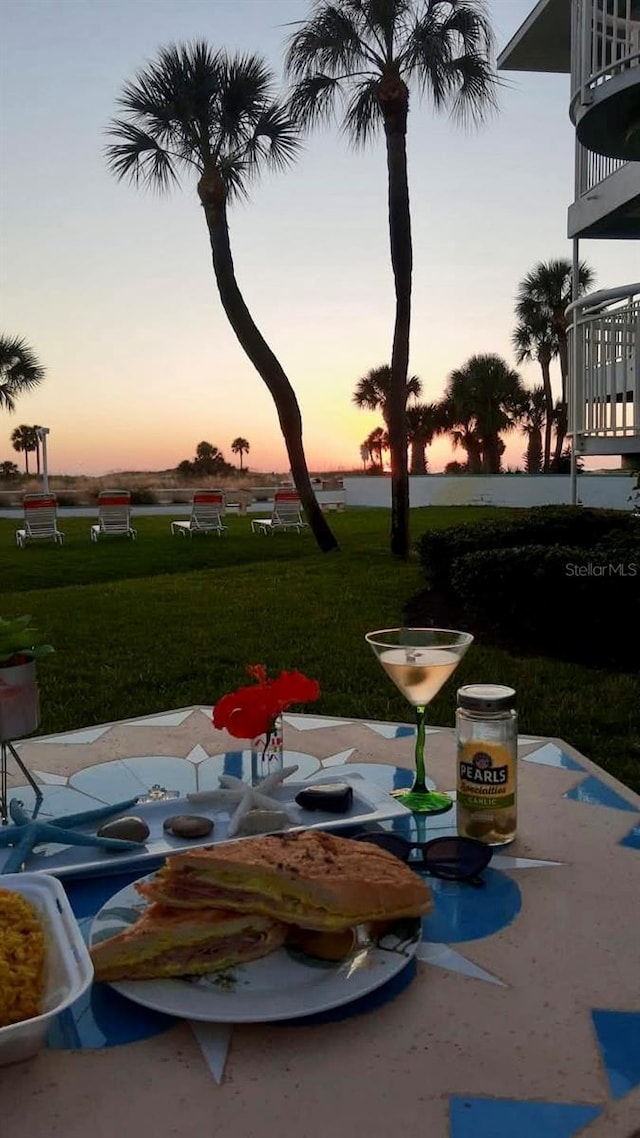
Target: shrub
66	499
143	496
564	600
541	525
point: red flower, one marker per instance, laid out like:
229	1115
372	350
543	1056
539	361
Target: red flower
252	711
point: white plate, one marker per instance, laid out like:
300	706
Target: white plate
370	804
283	985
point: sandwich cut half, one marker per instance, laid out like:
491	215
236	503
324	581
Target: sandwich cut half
168	942
308	878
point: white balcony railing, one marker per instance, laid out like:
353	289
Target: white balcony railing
592	169
605	43
604	364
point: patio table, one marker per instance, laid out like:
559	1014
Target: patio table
519	1018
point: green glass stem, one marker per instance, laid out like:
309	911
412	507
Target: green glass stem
419	785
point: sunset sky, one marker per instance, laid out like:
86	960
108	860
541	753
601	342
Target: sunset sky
113	287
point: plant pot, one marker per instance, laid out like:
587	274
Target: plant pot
19	701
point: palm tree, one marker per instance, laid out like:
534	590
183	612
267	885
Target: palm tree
534	340
461	425
425	420
19	370
375	443
483	399
210	460
240	446
533	414
204	112
36	436
543	296
24	439
367	54
372	391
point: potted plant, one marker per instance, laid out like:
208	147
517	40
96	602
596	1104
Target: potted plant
20	646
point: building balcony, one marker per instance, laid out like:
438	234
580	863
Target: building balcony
603	392
597	43
605	77
607	197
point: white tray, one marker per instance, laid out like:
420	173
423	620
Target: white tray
370	804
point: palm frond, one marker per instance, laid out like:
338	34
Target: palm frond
476	87
245	88
312	99
363	116
139	157
275	140
200	107
549	285
236	173
20	370
450	52
425	55
523	343
378	21
468	23
329	42
18	362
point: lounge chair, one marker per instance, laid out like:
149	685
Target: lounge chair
207	510
114	515
287	514
40	520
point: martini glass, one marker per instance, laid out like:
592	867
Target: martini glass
420	661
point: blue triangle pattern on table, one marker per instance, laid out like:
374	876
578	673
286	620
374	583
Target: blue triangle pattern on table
504	1118
75	738
618	1035
596	793
394	730
632	839
552	756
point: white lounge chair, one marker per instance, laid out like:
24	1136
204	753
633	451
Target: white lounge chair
114	515
287	514
40	520
207	510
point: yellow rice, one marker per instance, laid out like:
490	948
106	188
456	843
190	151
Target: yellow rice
22	953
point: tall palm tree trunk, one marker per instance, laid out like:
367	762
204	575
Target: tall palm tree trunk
418	455
212	194
545	368
394	101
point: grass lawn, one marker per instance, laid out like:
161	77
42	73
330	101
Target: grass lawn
167	622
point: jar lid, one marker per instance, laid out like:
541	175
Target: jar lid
486	697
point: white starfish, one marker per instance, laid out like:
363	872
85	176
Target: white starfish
250	799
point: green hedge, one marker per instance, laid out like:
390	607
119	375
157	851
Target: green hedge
572	526
577	603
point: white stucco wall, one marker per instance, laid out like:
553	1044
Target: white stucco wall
604	490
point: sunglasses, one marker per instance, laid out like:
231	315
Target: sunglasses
449	858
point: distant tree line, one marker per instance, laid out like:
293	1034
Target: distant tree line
210	461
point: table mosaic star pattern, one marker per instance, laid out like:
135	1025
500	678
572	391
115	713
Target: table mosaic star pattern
461	914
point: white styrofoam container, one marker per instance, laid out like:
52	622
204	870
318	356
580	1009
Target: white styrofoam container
68	966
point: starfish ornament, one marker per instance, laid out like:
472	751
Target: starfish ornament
249	800
27	832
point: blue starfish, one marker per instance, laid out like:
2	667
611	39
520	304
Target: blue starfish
28	832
